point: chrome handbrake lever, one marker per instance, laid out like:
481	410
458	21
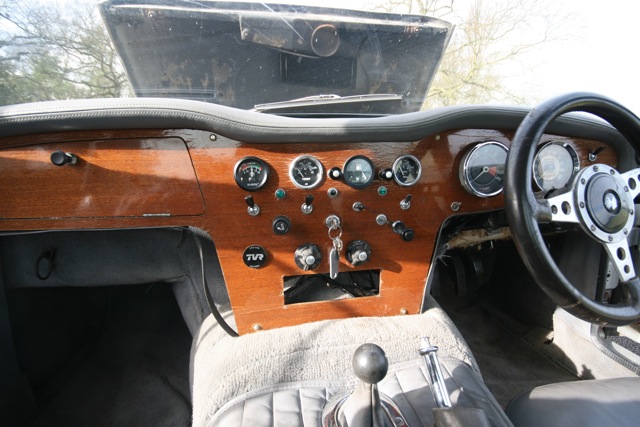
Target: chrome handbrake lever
436	378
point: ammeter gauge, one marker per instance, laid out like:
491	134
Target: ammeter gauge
251	173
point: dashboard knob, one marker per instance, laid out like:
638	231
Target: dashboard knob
335	173
386	174
281	225
60	158
358	252
307	256
405	232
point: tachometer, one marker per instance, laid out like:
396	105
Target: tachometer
306	172
406	170
358	172
554	166
482	169
251	173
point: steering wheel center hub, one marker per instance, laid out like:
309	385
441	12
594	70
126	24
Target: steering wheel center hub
604	203
611	202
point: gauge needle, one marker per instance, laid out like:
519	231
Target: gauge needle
490	170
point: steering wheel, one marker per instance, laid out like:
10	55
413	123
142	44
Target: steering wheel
599	199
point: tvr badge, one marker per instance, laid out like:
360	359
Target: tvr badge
254	256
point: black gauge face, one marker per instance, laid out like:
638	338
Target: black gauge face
358	172
554	166
251	173
482	169
407	170
306	172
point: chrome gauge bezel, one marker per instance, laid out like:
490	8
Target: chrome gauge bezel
463	170
318	177
574	158
397	162
243	185
354	185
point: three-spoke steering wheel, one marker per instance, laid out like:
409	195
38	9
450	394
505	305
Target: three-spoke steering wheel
599	199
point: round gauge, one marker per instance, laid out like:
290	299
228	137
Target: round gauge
358	172
306	172
406	170
482	169
554	166
251	173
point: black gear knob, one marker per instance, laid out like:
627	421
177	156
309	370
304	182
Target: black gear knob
370	364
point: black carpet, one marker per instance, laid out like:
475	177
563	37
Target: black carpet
129	367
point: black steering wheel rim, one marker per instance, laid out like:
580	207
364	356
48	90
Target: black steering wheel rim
525	211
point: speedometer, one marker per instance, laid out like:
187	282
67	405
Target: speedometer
251	173
306	172
554	166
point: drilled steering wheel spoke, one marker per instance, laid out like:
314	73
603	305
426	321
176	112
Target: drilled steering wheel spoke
621	257
632	179
562	208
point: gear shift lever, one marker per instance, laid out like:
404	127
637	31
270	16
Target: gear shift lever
365	407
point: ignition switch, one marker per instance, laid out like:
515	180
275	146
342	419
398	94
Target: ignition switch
358	252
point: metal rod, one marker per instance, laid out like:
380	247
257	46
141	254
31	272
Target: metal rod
436	378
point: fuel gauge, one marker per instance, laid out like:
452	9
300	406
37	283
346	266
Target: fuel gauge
358	172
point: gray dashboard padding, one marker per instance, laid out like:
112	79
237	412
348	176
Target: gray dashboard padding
248	126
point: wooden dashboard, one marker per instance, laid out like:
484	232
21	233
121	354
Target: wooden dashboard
159	178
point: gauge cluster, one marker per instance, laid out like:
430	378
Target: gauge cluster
482	167
307	172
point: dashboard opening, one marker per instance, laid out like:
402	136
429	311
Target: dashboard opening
320	287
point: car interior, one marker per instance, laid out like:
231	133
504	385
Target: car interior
173	262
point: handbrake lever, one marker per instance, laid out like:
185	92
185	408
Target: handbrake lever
436	378
445	415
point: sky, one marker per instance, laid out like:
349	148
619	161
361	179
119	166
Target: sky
600	54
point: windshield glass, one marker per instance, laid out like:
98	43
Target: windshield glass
410	54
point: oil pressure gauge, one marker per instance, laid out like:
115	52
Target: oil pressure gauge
482	169
251	173
406	170
306	172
